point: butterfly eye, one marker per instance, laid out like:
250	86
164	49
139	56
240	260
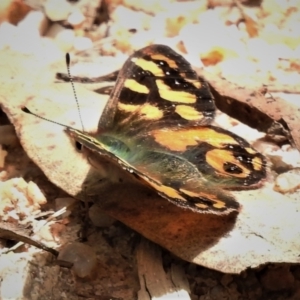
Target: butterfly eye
78	146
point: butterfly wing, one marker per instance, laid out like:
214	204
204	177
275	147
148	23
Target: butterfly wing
158	85
191	167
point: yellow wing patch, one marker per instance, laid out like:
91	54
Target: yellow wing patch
188	113
135	86
180	139
148	66
167	93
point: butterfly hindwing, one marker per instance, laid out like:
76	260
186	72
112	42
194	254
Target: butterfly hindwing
221	157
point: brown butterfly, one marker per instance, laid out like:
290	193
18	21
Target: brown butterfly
156	125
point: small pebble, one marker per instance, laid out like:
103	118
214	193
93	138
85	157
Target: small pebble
82	256
76	18
288	182
64	38
35	195
218	292
99	218
277	279
35	20
57	10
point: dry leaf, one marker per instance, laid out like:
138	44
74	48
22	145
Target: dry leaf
266	230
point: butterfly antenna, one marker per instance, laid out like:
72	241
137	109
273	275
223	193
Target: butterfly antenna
68	60
27	111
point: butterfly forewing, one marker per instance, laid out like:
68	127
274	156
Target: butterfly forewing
157	84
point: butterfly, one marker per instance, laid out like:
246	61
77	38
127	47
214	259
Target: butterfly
157	125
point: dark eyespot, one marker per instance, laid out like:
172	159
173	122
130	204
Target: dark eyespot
232	168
